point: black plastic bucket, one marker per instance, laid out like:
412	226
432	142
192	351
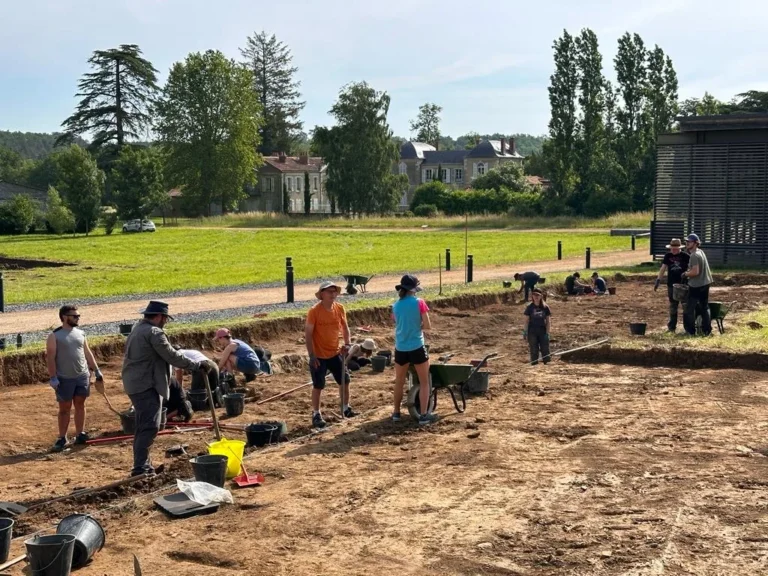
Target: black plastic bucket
637	328
280	432
211	468
387	354
378	363
6	535
234	403
261	434
128	422
198	399
163	418
89	537
50	555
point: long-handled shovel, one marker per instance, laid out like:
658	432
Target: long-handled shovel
215	418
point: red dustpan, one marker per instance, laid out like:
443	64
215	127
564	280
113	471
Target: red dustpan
244	479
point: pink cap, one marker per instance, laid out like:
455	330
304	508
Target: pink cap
222	332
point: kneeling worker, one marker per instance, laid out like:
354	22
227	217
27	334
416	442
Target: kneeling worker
574	286
237	355
599	284
360	354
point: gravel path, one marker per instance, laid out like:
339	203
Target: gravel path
194	306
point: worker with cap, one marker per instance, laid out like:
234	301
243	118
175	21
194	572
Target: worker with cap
325	321
236	355
699	278
674	264
574	286
599	284
146	378
359	355
528	281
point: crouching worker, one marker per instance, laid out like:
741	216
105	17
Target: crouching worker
237	355
177	407
599	284
146	378
536	327
198	381
360	354
575	287
325	321
528	281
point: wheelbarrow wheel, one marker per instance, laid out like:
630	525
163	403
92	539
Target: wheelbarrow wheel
413	397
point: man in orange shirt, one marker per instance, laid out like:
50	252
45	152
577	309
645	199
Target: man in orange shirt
325	321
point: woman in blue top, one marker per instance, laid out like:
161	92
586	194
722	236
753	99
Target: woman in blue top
237	355
411	316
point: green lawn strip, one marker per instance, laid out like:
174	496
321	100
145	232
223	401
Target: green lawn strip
270	220
184	258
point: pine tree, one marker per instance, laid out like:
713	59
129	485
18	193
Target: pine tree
286	200
277	90
116	99
427	124
307	195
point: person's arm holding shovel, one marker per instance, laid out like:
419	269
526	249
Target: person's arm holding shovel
91	360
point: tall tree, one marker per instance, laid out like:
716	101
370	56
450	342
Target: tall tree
81	182
708	105
275	84
137	178
208	120
562	125
11	166
426	126
307	195
360	152
286	200
116	99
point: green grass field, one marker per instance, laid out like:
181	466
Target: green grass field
179	258
272	220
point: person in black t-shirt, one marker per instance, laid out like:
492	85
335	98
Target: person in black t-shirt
528	281
536	328
574	286
674	264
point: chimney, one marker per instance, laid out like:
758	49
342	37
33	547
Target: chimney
437	144
512	147
502	146
281	157
304	158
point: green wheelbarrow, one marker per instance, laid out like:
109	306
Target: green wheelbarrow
356	283
718	311
451	377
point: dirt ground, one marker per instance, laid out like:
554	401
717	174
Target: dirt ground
559	469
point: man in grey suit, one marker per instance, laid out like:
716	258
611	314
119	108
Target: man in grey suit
146	378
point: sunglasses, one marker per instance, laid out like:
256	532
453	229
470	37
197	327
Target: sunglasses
73	315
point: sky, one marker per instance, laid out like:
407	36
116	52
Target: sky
486	63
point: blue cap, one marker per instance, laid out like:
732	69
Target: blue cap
693	238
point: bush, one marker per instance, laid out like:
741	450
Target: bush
109	219
524	204
59	217
18	215
434	192
425	211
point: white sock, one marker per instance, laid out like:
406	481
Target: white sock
315	412
346	407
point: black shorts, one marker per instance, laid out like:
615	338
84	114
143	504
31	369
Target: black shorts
415	357
333	365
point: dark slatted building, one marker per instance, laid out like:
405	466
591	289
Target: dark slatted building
712	180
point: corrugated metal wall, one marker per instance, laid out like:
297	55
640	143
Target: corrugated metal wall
720	192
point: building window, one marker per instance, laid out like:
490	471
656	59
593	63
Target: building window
314	204
315	182
298	184
403	168
428	176
290	184
443	175
458	175
480	169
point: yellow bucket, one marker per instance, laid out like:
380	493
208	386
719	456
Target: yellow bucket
233	450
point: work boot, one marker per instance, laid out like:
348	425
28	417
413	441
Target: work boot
349	413
60	444
82	438
317	421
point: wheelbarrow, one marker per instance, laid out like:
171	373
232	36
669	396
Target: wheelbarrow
451	377
355	282
718	312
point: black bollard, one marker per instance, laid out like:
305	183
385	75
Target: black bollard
559	250
288	262
18	341
2	344
633	241
2	293
289	284
470	263
588	258
447	259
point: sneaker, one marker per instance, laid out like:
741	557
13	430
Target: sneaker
61	443
396	417
427	419
82	438
349	413
317	421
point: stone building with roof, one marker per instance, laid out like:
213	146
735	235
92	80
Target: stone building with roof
288	171
421	162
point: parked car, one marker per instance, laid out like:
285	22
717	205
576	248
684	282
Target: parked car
139	226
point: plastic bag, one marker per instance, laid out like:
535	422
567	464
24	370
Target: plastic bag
204	493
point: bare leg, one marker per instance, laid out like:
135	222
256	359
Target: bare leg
79	402
64	409
423	371
316	399
400	373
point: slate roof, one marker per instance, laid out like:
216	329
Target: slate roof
491	149
9	190
413	150
445	156
292	164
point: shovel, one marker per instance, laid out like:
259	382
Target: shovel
244	480
216	430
